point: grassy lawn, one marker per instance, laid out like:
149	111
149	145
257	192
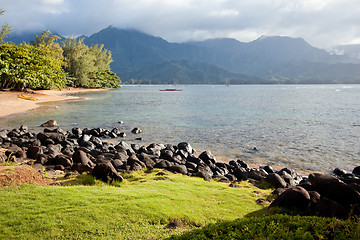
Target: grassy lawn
138	208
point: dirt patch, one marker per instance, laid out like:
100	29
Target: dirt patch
17	175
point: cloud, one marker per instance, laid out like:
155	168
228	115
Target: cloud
322	23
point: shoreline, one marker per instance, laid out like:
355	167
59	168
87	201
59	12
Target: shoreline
11	104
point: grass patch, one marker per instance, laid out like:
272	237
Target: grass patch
138	208
278	227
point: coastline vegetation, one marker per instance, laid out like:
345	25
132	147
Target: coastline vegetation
45	64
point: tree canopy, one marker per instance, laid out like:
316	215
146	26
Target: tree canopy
45	64
88	66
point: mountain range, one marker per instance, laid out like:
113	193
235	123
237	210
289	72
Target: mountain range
143	58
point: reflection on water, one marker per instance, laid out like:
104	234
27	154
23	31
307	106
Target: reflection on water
310	127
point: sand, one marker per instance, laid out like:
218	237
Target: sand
10	103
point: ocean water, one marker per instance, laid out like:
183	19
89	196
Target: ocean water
304	127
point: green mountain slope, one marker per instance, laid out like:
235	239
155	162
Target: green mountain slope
187	72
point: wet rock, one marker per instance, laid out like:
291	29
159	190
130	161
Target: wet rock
241	174
145	158
296	198
106	172
178	169
204	172
356	171
207	157
3	134
257	174
163	164
275	180
185	146
231	177
76	131
328	208
63	160
81	158
334	189
33	152
136	130
135	164
49	123
268	169
339	172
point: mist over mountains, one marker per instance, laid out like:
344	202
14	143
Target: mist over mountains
142	58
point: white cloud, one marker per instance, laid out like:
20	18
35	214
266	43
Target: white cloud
320	22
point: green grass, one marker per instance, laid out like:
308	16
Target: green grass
278	227
138	208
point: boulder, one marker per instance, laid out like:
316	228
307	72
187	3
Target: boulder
339	172
186	146
136	130
288	179
207	157
257	174
63	160
231	177
178	169
296	198
356	171
118	164
204	171
145	158
268	169
275	180
76	131
50	123
163	164
33	152
83	161
135	164
106	172
241	174
328	208
334	189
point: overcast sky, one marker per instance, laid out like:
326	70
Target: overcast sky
322	23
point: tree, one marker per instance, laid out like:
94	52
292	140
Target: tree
88	67
5	29
47	40
28	66
78	61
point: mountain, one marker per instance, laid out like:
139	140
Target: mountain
187	72
268	59
27	37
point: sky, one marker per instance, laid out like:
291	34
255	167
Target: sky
322	23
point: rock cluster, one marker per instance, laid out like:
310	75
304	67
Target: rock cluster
323	195
84	150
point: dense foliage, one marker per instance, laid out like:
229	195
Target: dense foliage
44	64
30	66
279	227
88	67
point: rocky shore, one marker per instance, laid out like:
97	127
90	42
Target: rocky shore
86	150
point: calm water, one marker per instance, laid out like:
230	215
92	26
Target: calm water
306	127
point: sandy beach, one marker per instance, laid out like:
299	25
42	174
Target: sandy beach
10	103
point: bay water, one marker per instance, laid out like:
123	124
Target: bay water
304	127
